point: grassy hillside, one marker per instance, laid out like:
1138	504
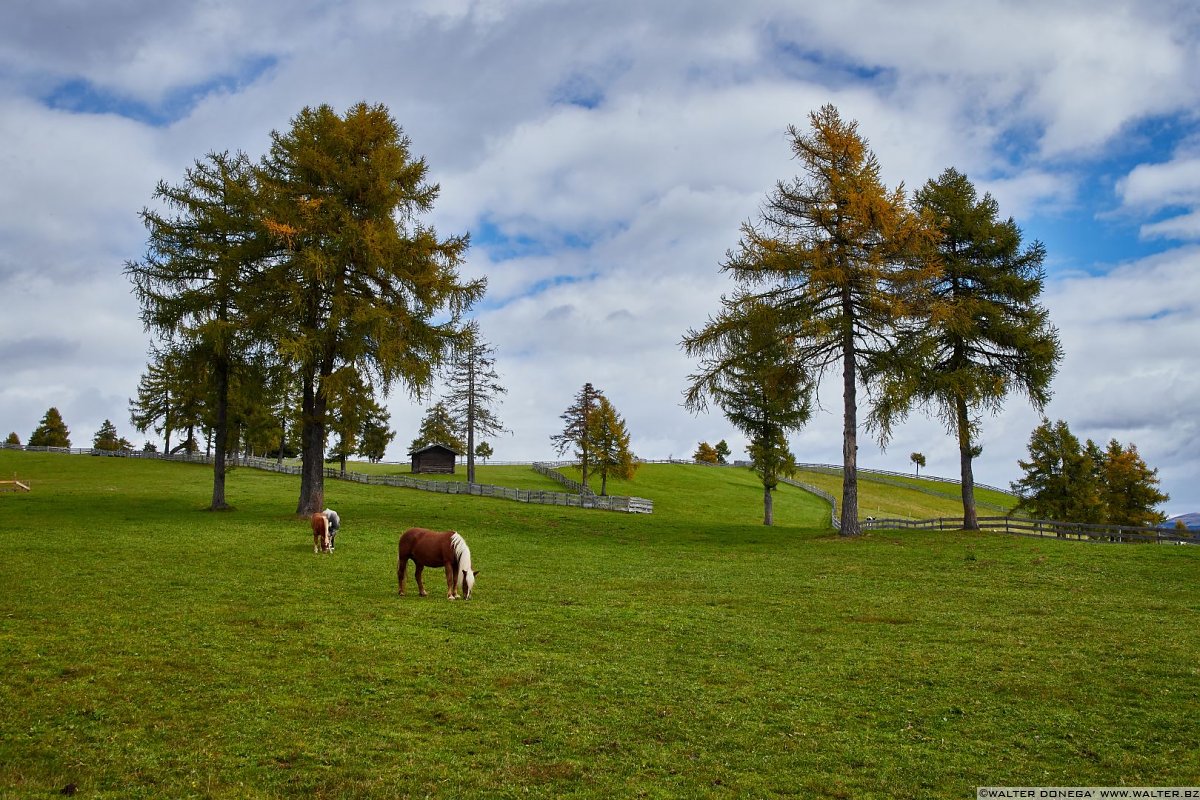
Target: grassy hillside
153	649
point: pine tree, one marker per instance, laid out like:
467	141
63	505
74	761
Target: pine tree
576	420
723	452
438	427
52	432
360	285
1061	477
375	435
988	336
204	254
608	438
472	385
846	263
106	438
758	379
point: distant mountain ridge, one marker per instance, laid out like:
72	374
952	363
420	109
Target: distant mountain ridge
1192	521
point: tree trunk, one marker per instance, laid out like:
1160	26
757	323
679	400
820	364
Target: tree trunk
471	425
768	506
312	448
221	436
850	525
970	515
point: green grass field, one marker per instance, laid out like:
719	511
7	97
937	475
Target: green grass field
153	649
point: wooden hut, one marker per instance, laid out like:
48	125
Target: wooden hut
434	458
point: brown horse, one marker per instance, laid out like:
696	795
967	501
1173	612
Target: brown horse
428	548
320	526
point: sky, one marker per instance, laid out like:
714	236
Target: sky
602	156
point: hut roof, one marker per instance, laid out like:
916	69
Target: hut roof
433	446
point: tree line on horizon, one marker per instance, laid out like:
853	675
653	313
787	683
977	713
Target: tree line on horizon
285	294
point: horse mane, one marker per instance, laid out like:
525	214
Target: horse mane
462	553
462	559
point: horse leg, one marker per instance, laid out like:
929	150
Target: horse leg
450	582
420	583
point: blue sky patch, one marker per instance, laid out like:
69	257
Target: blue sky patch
1096	233
82	96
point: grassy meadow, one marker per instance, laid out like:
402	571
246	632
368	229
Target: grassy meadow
153	649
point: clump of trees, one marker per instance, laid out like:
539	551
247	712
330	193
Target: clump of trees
712	454
108	439
1069	481
287	292
597	437
930	303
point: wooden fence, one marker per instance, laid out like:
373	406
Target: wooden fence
1042	528
631	505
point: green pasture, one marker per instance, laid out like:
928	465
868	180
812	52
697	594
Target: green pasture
152	649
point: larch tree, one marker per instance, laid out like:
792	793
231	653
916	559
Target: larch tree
1061	478
608	438
360	285
375	435
1129	488
51	432
759	380
438	426
13	439
472	386
205	249
154	406
705	454
107	438
574	436
846	263
987	336
349	408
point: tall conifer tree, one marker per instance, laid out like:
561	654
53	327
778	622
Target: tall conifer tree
844	260
361	286
52	432
576	420
758	378
988	336
608	438
472	385
205	247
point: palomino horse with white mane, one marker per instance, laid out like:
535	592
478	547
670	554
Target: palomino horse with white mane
428	548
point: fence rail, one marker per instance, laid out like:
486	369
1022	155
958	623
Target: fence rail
631	505
1042	528
834	520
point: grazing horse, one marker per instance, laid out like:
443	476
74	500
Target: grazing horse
429	548
320	526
